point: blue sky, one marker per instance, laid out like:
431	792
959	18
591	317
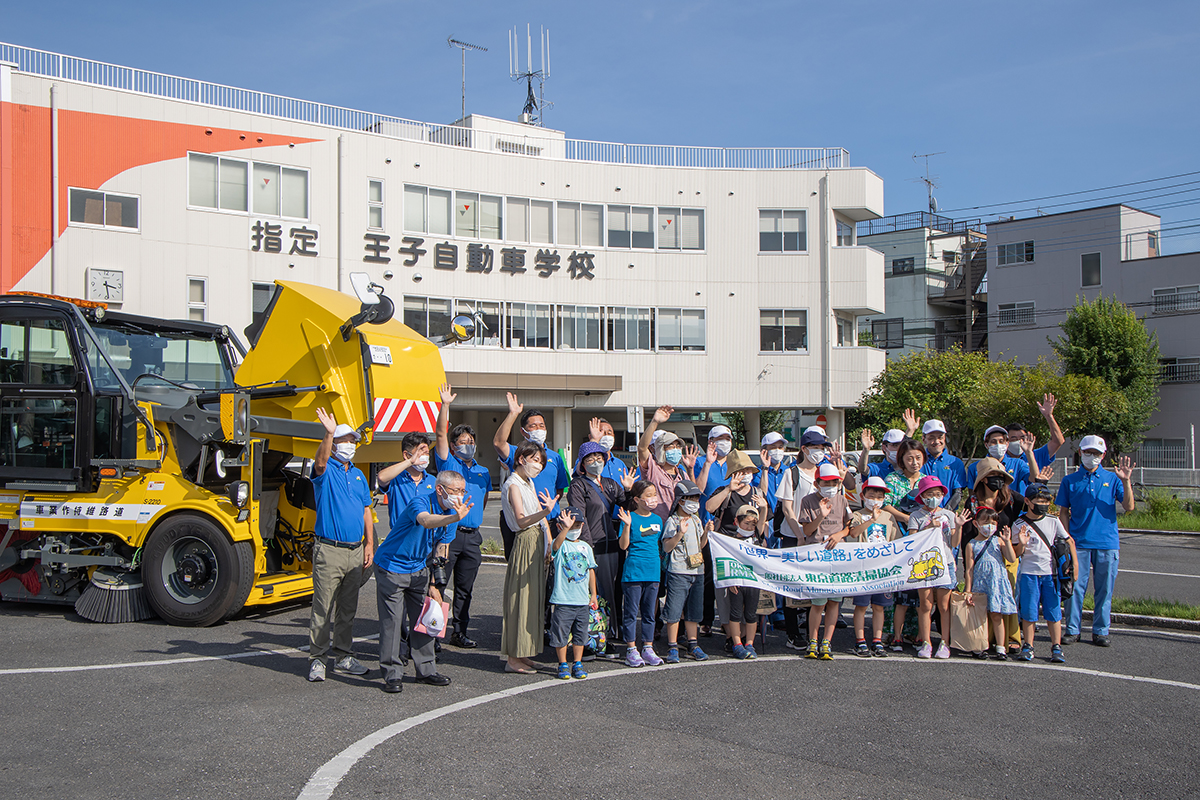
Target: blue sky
1026	99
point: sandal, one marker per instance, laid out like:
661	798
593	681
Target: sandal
508	667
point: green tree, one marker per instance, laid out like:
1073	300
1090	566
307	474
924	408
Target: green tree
768	420
1105	339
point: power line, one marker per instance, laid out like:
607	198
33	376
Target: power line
1072	194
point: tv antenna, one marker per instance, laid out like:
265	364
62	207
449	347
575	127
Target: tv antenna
464	46
535	107
930	181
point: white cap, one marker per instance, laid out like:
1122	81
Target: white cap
894	436
934	426
819	429
827	471
774	437
875	482
1093	443
995	429
346	430
719	430
654	436
434	619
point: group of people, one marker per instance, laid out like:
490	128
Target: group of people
635	542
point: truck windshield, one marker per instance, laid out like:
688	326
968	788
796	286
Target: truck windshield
178	357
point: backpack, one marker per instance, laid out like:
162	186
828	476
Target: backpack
1061	564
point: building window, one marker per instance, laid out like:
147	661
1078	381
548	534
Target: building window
949	257
888	334
1176	298
427	210
1179	370
1015	313
631	227
580	225
428	316
375	204
681	329
680	229
528	325
903	266
103	209
487	334
579	328
845	332
1089	264
1015	253
529	220
782	231
260	298
845	234
782	330
1152	243
197	299
630	329
476	216
227	184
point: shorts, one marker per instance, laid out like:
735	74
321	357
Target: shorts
569	625
820	601
740	607
1039	590
685	598
864	600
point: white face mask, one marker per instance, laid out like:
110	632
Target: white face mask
532	469
776	458
987	530
345	450
422	463
746	534
746	478
814	455
574	533
931	502
873	504
996	451
690	506
828	491
607	442
1014	449
723	447
449	500
538	436
890	455
1090	462
593	467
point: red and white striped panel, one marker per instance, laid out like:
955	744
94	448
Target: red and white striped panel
393	415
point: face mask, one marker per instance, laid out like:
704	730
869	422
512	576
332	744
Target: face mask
873	504
723	448
607	442
890	455
594	467
932	502
995	484
987	530
1041	509
532	469
536	436
690	506
449	500
422	463
465	452
345	450
828	491
673	457
1014	449
776	458
746	534
573	534
746	479
996	450
814	455
1090	462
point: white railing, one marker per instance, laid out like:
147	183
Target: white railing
97	73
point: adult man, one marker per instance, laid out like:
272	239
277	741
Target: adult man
454	451
774	464
890	445
344	546
939	463
406	479
995	438
1087	502
553	478
1018	436
402	577
601	431
710	468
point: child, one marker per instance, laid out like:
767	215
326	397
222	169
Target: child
574	593
1037	576
824	516
684	540
640	535
930	492
872	524
738	605
985	555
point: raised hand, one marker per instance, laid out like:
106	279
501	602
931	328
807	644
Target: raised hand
549	501
628	479
594	432
867	438
690	454
326	419
759	499
663	413
462	508
911	421
685	522
1006	534
1027	444
711	452
962	518
826	506
447	396
1125	467
1047	405
623	515
565	520
1046	473
765	456
514	407
1023	536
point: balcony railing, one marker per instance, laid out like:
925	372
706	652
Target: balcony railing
1174	302
97	73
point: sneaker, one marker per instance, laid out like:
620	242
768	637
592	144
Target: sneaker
812	650
897	645
672	655
1101	640
750	650
564	671
577	671
879	650
943	651
351	666
925	650
1071	638
862	650
697	653
316	670
650	657
999	653
1056	655
632	659
826	653
795	644
1026	653
741	652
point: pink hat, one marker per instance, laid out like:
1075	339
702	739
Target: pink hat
876	482
927	483
828	472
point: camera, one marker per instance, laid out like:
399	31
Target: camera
437	572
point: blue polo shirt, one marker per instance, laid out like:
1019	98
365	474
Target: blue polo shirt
1092	498
880	469
1042	456
717	478
342	494
479	483
774	477
949	470
553	478
1017	467
409	544
402	490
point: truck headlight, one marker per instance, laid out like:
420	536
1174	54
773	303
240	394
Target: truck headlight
239	493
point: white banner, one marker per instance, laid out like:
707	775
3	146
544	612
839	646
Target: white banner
849	569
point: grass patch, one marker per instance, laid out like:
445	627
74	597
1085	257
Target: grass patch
1170	520
1148	607
491	547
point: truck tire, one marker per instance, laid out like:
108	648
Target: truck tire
245	555
191	571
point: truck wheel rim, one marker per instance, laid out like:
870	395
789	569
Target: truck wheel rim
189	570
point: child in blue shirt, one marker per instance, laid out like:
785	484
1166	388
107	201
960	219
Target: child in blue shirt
574	594
641	531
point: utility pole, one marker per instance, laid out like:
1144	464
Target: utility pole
464	47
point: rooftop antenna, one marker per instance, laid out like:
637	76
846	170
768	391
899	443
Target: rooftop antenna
535	107
464	46
930	181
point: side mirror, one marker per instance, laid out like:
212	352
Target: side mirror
462	329
364	289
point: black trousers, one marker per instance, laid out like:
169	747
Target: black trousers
791	616
608	584
462	566
710	589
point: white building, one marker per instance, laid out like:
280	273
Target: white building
609	276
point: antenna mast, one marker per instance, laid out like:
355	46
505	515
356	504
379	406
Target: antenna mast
930	181
464	46
535	107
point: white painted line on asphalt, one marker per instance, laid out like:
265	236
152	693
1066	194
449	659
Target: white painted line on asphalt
1165	574
325	781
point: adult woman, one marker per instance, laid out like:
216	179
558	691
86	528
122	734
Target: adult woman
902	482
992	489
525	579
597	495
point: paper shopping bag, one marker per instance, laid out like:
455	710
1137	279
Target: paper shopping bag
766	603
433	619
968	624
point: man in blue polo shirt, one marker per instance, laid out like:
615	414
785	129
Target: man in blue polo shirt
402	577
601	432
939	463
775	463
454	451
996	440
890	446
344	546
406	479
1018	437
1087	501
553	478
710	469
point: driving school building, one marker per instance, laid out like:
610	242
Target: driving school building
608	276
